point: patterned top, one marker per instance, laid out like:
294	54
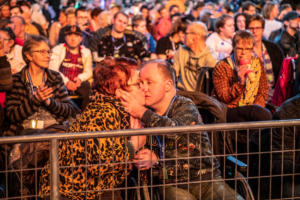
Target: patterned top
182	112
21	104
103	155
72	65
229	89
132	45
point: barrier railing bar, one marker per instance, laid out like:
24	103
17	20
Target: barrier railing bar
151	131
54	169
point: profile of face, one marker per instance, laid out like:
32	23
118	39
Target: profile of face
39	55
255	27
275	12
134	86
241	22
153	85
120	23
7	42
73	40
244	49
228	29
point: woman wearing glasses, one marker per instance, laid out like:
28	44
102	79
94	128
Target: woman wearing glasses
38	98
37	103
240	81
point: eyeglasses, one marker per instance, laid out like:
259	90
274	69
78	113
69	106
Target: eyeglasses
254	28
244	49
44	52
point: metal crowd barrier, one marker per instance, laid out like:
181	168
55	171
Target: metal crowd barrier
252	155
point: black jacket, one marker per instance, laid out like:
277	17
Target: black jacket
290	45
276	56
290	109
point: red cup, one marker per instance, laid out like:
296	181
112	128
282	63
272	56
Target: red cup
245	61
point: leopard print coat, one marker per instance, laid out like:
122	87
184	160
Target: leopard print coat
102	155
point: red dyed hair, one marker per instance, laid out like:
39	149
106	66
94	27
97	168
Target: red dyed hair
111	74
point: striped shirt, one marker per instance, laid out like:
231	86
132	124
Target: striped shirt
21	104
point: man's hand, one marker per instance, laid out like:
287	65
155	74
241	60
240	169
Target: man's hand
71	86
145	159
133	102
43	94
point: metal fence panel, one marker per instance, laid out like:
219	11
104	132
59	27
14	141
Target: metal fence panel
258	160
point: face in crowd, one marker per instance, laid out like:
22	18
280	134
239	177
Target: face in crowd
256	28
244	49
120	23
228	29
154	84
39	55
73	40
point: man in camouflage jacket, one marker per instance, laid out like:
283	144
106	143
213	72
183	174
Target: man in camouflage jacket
182	157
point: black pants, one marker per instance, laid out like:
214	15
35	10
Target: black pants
248	113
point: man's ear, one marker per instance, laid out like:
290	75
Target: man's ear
169	85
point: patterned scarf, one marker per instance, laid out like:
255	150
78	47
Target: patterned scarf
251	90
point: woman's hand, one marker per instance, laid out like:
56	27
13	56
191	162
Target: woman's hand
242	69
43	94
145	159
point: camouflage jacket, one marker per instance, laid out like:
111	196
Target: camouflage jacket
182	112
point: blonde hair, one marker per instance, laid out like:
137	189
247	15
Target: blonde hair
199	28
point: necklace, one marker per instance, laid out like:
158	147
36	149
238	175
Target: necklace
117	48
30	80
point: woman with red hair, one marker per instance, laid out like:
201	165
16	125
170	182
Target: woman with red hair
87	167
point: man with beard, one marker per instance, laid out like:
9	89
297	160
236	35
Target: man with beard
289	40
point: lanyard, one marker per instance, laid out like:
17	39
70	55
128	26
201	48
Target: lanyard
117	48
161	144
30	81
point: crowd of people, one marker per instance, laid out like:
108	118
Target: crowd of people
124	65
